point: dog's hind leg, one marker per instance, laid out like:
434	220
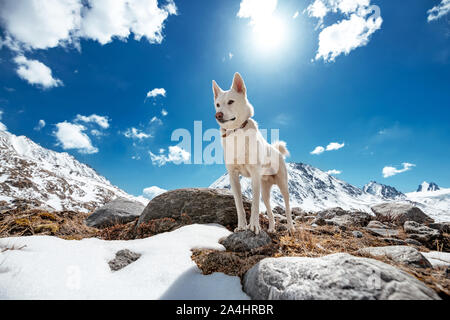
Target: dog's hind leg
265	191
236	189
283	185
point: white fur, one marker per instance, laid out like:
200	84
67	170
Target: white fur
247	153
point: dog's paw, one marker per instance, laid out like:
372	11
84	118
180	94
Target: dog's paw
291	229
240	228
255	228
271	229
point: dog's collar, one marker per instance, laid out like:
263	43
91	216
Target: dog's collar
227	132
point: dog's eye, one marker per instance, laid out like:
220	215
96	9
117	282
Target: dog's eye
217	105
230	102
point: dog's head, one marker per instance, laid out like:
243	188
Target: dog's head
232	106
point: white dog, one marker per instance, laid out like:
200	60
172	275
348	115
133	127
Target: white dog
247	153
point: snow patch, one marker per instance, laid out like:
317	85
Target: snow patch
52	268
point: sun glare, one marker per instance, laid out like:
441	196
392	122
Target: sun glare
269	33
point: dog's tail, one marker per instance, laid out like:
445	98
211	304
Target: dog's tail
281	146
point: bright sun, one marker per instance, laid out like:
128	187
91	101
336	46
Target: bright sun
269	33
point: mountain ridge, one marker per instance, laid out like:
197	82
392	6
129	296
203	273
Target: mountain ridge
51	179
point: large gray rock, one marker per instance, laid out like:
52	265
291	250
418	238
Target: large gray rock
338	276
399	213
421	233
438	258
377	224
198	205
382	232
408	256
441	226
246	241
342	218
118	211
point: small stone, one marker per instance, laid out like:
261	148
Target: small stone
246	241
357	234
122	259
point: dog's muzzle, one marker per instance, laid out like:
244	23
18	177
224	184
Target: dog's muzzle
219	117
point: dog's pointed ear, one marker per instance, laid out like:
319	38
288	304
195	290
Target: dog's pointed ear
238	84
216	89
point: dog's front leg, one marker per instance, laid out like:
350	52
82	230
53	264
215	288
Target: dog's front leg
236	189
256	189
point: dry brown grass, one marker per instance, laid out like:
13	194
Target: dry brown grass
312	242
66	224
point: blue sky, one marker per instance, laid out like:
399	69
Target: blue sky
381	93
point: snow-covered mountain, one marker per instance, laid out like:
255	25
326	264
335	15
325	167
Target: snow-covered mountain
437	201
425	186
383	191
47	178
312	189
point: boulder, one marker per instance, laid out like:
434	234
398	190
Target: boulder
382	232
377	224
342	218
438	258
198	205
413	242
122	259
119	211
399	213
245	241
339	276
441	226
420	232
394	241
297	211
408	256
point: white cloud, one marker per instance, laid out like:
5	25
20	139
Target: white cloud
134	133
156	120
256	10
152	192
348	34
108	19
164	112
334	172
176	155
392	171
72	136
2	126
335	146
295	16
439	11
318	150
36	73
37	24
41	124
330	147
96	133
317	9
156	92
102	121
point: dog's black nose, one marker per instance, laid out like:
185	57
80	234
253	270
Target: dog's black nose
219	115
